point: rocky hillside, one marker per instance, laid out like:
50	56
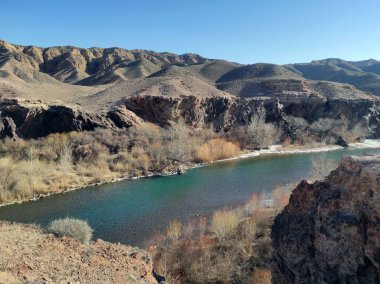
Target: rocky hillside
84	66
29	255
364	75
33	119
55	89
330	231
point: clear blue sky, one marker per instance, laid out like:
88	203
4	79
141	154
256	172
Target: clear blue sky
246	31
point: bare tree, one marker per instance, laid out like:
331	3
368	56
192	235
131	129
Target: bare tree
65	161
8	183
178	147
261	134
31	153
322	166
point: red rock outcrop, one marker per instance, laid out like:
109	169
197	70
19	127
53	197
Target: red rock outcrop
330	231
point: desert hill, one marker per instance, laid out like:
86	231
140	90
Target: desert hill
66	88
71	64
70	74
364	75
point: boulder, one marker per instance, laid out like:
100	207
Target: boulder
341	142
330	230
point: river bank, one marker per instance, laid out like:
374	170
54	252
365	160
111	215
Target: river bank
272	150
133	211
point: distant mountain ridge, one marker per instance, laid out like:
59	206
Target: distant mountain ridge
364	75
71	64
102	66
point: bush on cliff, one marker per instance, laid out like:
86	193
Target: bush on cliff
74	228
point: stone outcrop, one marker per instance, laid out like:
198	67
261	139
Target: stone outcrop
224	113
28	255
31	119
330	231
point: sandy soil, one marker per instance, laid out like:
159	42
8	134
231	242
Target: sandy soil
28	255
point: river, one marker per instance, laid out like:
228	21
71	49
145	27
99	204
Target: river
132	211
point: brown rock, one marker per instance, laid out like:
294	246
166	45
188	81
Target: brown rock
330	231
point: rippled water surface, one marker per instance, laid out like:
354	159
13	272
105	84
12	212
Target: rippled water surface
132	211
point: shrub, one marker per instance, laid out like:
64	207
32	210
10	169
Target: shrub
223	223
322	166
261	276
280	197
261	134
241	253
7	173
216	149
174	231
357	133
254	203
240	135
75	228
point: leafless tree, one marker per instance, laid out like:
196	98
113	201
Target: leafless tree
261	134
7	172
65	161
31	153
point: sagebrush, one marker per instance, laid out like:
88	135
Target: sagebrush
70	227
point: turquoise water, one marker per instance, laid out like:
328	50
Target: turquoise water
133	211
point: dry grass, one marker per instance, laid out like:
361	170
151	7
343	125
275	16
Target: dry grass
234	247
261	276
216	149
62	161
223	223
280	198
321	167
174	231
66	160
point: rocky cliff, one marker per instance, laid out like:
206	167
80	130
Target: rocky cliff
330	231
60	89
28	255
33	119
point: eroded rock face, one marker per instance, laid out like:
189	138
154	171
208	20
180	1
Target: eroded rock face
224	113
7	128
28	255
330	231
33	119
30	119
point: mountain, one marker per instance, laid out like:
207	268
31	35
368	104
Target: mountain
364	75
70	64
100	68
66	88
